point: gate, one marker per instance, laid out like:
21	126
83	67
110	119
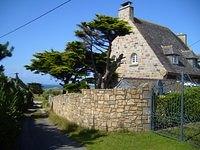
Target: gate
176	111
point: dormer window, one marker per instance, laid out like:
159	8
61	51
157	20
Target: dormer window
191	57
193	62
175	59
171	53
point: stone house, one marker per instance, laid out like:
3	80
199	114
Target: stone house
152	51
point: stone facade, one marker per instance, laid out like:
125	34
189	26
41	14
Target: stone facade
107	109
148	65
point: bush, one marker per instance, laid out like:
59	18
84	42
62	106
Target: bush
14	100
168	107
76	87
35	88
192	103
44	97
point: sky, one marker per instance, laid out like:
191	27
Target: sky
57	28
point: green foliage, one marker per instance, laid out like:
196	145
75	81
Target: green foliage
192	103
5	52
14	100
137	141
67	66
35	88
102	30
168	107
51	92
80	59
44	97
76	87
98	140
78	133
98	35
64	125
109	27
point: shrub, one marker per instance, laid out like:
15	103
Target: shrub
35	88
44	97
76	87
168	107
192	103
14	100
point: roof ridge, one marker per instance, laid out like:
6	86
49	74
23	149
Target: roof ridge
151	23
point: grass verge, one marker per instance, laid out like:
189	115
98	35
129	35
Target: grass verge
96	140
79	134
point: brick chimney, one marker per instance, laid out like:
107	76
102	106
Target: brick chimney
183	37
126	11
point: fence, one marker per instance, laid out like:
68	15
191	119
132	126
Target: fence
176	111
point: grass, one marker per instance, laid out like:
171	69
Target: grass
137	141
191	132
64	125
82	135
96	140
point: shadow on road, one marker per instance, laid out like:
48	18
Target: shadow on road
40	134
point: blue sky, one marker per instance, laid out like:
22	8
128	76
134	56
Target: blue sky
57	28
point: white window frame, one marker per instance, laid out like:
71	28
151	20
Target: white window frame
134	59
175	59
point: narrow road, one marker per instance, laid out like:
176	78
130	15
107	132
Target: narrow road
40	134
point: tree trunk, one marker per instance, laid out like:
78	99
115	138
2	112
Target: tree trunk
94	67
64	91
99	80
105	78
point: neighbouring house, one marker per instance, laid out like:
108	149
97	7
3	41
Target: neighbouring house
152	52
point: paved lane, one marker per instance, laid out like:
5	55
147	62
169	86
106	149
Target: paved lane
40	134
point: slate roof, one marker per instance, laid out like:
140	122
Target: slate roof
158	37
169	50
190	54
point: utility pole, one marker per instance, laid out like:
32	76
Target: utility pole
16	75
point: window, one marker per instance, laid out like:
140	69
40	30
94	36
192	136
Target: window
175	60
134	58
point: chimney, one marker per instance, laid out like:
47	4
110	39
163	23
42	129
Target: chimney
183	37
126	11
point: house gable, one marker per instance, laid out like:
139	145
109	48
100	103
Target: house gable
148	65
151	51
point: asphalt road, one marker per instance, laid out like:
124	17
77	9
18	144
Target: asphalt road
40	134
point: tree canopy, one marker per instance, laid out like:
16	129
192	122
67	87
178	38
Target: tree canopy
98	35
5	51
86	60
67	66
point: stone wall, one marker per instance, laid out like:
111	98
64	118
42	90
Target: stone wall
107	109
